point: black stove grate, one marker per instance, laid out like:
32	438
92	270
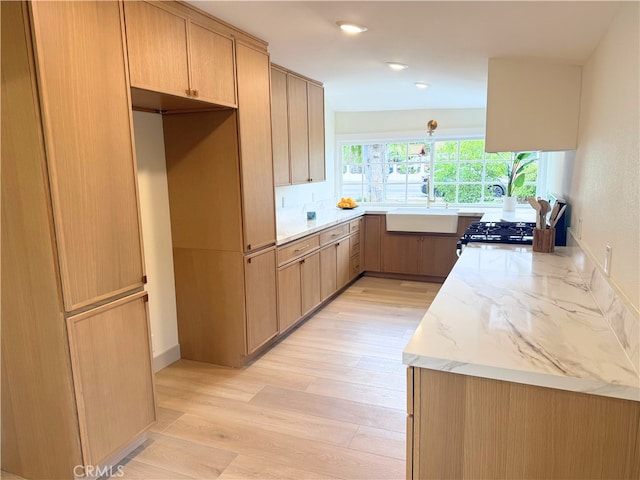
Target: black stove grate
499	232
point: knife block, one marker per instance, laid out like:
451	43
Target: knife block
544	239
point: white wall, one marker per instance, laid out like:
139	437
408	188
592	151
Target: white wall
411	122
559	171
156	232
605	190
298	195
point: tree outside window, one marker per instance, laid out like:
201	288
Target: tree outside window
400	172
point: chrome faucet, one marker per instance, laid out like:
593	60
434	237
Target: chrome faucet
429	200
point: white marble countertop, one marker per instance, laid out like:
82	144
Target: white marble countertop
292	224
510	314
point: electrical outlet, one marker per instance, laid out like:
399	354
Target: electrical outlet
579	228
607	259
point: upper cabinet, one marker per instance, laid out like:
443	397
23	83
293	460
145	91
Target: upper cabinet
298	128
254	135
315	102
280	127
532	105
172	54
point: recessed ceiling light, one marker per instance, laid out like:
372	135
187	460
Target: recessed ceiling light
421	85
351	27
397	66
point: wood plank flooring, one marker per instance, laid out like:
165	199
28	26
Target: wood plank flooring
327	402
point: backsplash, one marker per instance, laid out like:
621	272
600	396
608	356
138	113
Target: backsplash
622	318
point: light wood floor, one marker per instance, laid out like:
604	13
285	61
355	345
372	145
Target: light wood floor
329	401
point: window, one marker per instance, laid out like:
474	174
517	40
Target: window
454	171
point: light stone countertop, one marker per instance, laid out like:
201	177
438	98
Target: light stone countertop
510	314
292	223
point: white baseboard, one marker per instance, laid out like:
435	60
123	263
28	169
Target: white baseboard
166	358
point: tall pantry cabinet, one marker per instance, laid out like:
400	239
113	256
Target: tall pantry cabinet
77	385
221	198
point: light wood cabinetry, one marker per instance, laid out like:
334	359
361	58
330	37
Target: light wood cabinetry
310	282
114	391
92	175
289	295
315	112
254	131
372	252
261	298
298	132
71	242
400	253
328	271
298	129
298	289
468	427
334	266
419	254
223	312
280	127
437	255
170	53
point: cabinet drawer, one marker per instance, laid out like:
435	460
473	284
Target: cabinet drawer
354	244
297	249
354	225
334	233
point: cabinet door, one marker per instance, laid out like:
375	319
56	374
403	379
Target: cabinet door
315	96
289	295
371	248
212	66
310	280
438	255
111	359
343	263
261	294
400	253
280	127
328	285
88	138
298	129
157	47
254	123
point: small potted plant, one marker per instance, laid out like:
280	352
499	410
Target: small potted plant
515	177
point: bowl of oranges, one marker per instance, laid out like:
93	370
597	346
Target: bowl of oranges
347	203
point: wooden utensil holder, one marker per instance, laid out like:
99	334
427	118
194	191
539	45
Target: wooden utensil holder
544	239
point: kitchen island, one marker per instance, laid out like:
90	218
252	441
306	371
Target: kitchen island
514	372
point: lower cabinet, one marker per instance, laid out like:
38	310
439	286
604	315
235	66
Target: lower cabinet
400	253
298	290
371	253
113	376
334	268
461	427
422	254
437	255
260	298
328	271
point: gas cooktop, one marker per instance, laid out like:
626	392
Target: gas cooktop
499	232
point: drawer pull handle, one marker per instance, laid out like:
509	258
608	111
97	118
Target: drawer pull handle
301	248
336	234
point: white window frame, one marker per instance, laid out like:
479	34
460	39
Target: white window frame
416	137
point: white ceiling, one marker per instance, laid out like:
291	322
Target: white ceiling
446	44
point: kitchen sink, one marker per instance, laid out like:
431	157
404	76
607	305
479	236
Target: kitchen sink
424	220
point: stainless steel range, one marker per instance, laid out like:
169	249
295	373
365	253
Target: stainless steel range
498	232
